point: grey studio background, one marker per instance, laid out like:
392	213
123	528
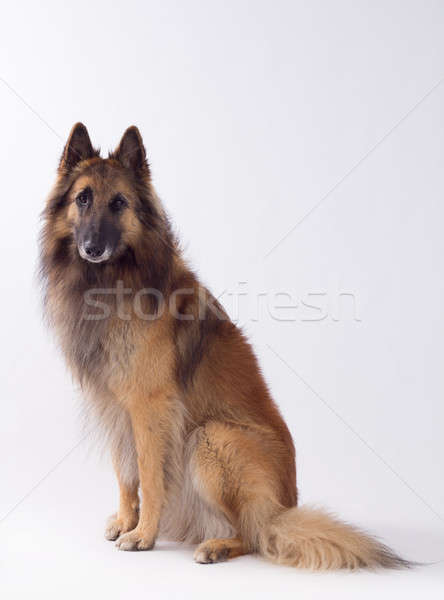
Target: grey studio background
299	149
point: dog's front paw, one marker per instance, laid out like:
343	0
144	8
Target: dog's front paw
137	539
116	525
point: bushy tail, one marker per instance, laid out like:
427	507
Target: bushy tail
313	539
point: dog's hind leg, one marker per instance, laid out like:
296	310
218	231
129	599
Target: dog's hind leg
232	471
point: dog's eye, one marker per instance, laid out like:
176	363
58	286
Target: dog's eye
84	198
118	203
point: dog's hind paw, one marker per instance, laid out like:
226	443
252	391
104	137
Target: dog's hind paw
218	550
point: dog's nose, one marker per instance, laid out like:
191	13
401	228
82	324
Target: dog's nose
94	250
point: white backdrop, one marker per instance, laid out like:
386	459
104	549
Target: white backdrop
253	113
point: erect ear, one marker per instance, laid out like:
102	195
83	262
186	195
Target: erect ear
131	151
78	147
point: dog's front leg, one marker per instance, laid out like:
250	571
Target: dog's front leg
128	515
150	422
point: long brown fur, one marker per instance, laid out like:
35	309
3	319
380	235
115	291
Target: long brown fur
173	383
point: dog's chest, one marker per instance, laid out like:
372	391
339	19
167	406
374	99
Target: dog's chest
100	353
113	354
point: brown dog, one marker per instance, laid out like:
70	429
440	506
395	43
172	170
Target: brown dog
174	383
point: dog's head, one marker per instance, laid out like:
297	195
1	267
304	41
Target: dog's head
104	224
106	203
103	221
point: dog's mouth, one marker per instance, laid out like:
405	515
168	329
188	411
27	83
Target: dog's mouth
94	254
